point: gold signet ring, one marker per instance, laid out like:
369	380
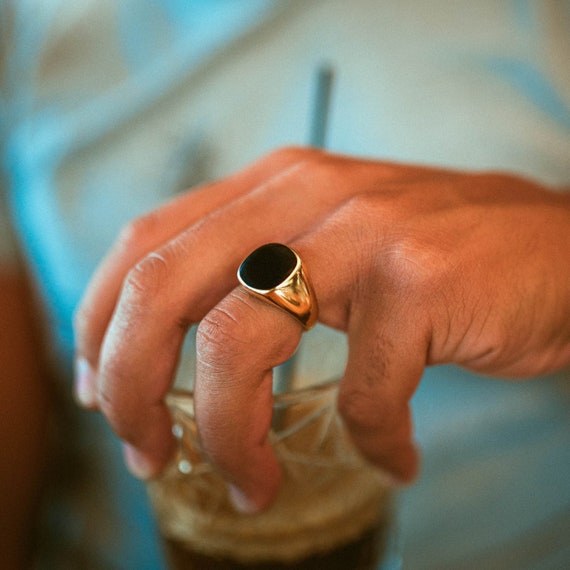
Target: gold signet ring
275	274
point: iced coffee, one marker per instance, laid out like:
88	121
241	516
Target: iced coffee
333	510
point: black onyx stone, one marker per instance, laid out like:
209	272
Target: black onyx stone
268	266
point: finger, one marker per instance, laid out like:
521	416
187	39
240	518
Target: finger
361	294
388	339
149	232
386	360
233	388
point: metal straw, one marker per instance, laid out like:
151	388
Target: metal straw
321	106
317	138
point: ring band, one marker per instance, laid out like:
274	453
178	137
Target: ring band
275	274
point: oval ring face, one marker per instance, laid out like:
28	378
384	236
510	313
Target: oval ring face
275	274
268	266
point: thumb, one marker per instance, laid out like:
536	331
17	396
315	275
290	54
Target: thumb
386	359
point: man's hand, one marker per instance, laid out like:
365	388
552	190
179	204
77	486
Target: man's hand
419	266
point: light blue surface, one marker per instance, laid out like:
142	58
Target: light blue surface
496	464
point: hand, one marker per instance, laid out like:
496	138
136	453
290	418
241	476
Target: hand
419	266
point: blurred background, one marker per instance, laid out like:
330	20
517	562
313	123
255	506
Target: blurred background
110	108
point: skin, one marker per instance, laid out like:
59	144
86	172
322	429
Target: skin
430	266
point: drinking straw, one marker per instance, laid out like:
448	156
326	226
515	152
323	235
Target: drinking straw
317	138
321	106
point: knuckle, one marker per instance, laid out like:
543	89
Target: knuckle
237	326
153	283
356	221
146	281
362	212
417	263
218	334
361	205
137	232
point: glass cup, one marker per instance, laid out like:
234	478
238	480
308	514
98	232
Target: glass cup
334	511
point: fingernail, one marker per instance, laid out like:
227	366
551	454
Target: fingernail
240	501
137	463
84	383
